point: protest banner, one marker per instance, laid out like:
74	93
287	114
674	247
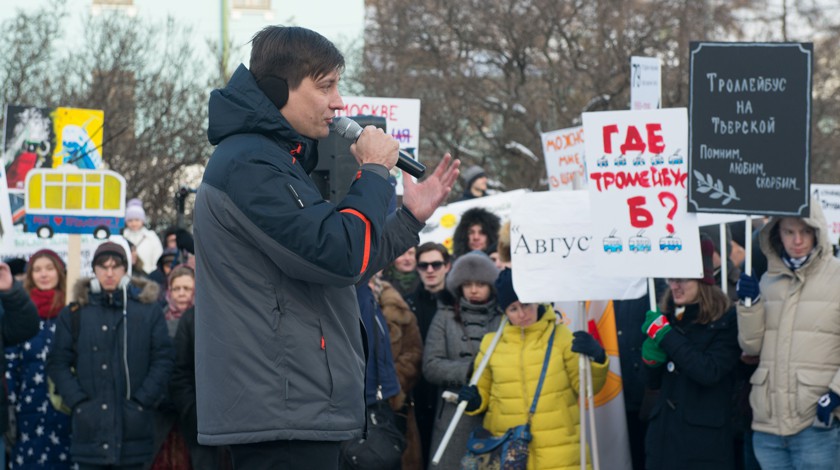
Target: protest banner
750	135
402	121
829	197
7	231
645	83
637	186
551	247
441	225
563	150
28	141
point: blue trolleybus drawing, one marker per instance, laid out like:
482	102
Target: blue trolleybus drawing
670	243
676	158
639	243
612	244
657	159
603	162
620	160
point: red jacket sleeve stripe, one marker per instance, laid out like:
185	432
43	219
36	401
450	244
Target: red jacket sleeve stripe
366	257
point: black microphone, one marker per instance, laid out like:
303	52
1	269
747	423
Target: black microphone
351	130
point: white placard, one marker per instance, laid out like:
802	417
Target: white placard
637	181
402	121
829	197
563	150
7	233
645	83
441	225
552	251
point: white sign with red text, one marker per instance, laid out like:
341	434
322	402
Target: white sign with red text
402	117
563	150
637	182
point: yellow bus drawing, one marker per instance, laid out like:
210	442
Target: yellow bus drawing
70	200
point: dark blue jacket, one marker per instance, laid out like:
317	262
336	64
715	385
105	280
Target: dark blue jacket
278	334
380	368
112	386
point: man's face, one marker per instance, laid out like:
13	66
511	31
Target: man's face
797	237
431	277
476	238
109	274
171	241
405	263
479	185
312	105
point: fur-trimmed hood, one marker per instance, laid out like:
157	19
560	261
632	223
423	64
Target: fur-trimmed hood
489	225
143	290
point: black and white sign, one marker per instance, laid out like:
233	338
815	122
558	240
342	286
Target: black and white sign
750	128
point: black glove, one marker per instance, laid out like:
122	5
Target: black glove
584	343
469	394
747	288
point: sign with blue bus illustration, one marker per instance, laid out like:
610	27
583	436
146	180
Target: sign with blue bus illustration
74	201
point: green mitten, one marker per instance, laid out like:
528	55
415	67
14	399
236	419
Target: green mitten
657	329
652	354
650	316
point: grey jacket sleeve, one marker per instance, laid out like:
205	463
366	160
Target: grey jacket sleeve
438	367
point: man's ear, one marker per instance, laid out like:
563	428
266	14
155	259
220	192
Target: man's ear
276	89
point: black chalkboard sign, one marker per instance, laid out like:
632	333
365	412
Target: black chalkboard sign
750	128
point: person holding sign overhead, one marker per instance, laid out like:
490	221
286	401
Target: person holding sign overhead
793	324
692	351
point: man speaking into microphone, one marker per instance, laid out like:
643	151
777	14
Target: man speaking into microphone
279	356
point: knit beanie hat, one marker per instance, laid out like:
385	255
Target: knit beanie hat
134	210
50	254
505	295
474	266
471	174
110	248
707	249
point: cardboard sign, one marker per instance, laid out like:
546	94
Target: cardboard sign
645	83
637	181
563	150
750	136
829	197
441	225
551	247
402	117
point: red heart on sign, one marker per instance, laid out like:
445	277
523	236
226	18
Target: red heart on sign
57	220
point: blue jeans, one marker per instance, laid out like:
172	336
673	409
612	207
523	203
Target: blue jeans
811	449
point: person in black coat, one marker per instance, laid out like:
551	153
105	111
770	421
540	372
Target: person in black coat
111	364
19	321
691	351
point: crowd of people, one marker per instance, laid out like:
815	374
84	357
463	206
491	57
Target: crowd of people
295	332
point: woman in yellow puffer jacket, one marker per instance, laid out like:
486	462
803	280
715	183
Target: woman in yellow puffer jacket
507	386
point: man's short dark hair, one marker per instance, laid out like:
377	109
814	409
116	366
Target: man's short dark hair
293	53
432	246
119	261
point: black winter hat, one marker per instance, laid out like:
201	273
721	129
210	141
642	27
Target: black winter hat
110	248
505	295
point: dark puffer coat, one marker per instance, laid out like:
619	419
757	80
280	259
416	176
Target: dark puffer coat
112	389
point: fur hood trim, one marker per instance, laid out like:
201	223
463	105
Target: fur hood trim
149	290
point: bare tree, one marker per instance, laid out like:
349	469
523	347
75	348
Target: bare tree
151	83
493	74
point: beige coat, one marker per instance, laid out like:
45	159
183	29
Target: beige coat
795	328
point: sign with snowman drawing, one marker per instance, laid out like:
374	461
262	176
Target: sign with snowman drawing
638	194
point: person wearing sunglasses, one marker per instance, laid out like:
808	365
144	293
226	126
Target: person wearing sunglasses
691	351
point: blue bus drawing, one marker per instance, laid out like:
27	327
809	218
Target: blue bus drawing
639	244
670	243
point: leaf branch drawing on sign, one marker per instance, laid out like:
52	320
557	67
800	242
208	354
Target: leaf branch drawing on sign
707	184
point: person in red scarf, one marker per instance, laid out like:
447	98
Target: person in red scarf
42	437
180	297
